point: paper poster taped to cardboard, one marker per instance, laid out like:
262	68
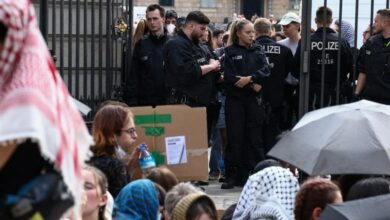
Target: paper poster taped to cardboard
176	150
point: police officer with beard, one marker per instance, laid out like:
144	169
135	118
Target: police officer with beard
191	74
331	45
374	62
245	71
280	61
147	65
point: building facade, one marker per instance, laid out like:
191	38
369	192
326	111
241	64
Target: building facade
220	11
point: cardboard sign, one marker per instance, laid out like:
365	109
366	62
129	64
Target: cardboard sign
182	126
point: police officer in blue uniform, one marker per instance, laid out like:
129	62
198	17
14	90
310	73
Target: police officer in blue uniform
331	45
374	62
280	59
147	64
191	74
245	71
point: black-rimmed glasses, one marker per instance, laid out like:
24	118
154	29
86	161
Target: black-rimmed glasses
131	131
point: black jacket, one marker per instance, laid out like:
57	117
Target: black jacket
332	45
182	64
374	61
147	67
242	61
280	61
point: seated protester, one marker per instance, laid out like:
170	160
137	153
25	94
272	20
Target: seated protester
42	135
228	214
161	200
95	190
369	187
265	164
346	181
195	206
164	177
175	195
268	194
313	196
138	200
114	132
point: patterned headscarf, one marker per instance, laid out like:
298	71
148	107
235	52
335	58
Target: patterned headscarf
268	194
347	31
34	101
138	200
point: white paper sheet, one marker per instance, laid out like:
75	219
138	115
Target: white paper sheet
176	150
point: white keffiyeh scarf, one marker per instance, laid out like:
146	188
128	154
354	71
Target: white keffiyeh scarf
268	194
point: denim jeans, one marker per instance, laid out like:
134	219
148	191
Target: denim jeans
216	150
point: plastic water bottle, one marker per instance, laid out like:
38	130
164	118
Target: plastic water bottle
146	160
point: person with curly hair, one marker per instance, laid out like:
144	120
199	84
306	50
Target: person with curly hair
313	196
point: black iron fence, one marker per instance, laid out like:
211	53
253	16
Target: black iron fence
89	38
360	13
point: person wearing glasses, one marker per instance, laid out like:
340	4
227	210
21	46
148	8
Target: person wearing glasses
114	133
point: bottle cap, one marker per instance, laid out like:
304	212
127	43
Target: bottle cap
142	146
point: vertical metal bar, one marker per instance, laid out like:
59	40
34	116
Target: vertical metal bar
371	16
53	27
77	84
43	18
109	71
62	38
339	53
85	57
70	43
100	49
356	37
305	58
323	54
127	50
118	7
387	4
93	50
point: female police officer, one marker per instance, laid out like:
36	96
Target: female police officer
246	69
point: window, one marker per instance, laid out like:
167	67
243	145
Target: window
166	2
208	3
295	4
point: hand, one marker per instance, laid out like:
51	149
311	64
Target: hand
215	64
243	81
257	87
133	165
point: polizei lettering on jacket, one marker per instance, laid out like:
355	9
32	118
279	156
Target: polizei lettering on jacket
329	45
271	49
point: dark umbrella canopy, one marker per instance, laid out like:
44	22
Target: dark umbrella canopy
372	208
345	139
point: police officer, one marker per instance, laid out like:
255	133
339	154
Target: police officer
245	70
280	59
191	74
148	60
331	45
374	62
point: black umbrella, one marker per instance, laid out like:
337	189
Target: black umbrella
344	139
372	208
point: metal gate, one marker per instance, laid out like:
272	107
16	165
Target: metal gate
89	38
358	10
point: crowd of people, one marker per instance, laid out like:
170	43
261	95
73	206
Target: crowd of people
246	79
247	76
